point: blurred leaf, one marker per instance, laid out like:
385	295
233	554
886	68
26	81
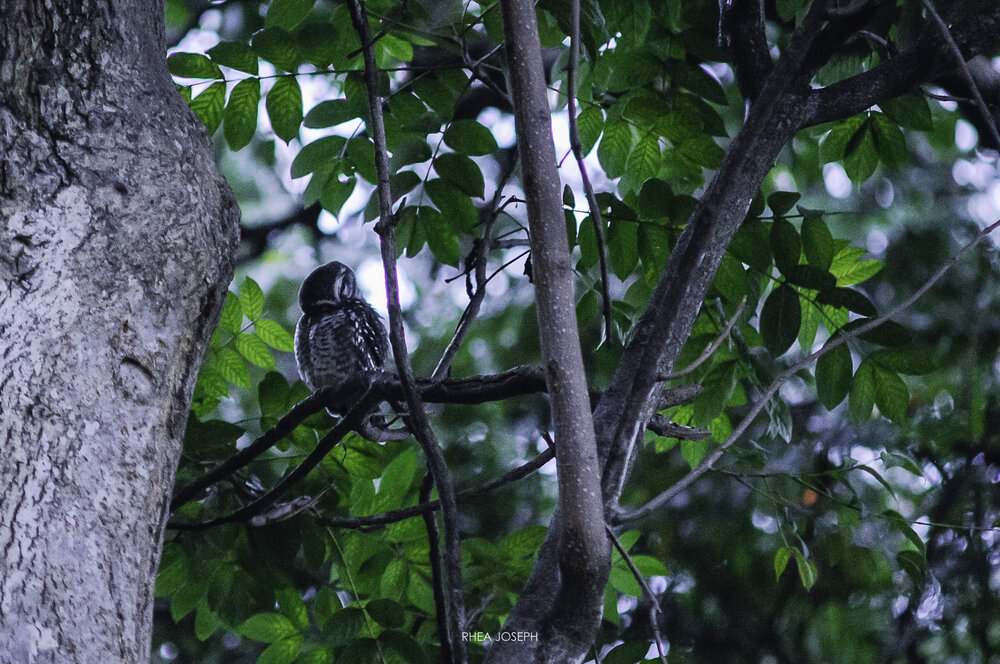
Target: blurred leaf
833	376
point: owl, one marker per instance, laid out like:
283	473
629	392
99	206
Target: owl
339	334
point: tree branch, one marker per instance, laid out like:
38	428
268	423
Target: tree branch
588	188
742	24
654	611
772	389
417	418
577	536
434	558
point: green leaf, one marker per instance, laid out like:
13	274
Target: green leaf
751	245
889	141
900	524
386	612
267	627
276	46
807	570
523	543
441	237
206	622
781	202
282	652
613	152
719	386
209	105
623	249
361	154
273	334
693	451
862	398
284	108
849	299
251	299
343	625
461	172
329	114
210	438
231	319
809	276
780	319
834	144
394	580
325	605
287	14
627	653
817	242
860	156
292	606
193	65
891	394
904	361
589	124
396	481
317	154
403	645
833	376
914	564
700	82
459	210
910	110
644	161
232	367
849	270
253	349
731	279
234	55
888	333
785	244
781	558
240	117
468	137
336	192
397	48
878	477
319	655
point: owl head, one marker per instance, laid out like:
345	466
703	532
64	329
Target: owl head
328	284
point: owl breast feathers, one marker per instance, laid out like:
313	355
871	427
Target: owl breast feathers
339	334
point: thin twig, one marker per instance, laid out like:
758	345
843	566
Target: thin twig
485	244
417	417
434	558
712	347
577	146
966	74
360	409
762	401
654	611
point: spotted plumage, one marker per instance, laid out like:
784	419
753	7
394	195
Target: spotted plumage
339	334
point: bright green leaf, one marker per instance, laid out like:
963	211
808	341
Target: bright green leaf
231	319
251	299
209	106
273	334
240	117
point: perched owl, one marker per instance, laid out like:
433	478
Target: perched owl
339	334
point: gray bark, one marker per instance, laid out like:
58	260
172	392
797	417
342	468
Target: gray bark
116	244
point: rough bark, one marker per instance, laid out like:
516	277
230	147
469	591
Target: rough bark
116	244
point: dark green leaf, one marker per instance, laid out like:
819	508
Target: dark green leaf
731	279
234	55
904	361
329	113
644	161
889	141
287	14
910	111
317	154
461	172
192	65
719	386
211	439
810	277
590	124
457	207
891	395
631	652
833	376
780	319
209	105
751	245
900	524
267	627
614	149
807	570
781	202
860	156
386	612
277	47
284	108
862	398
817	242
848	298
240	117
888	333
335	194
834	144
700	82
468	137
623	249
282	652
343	626
404	645
205	622
361	155
785	244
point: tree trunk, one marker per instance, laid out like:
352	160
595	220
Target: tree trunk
116	243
